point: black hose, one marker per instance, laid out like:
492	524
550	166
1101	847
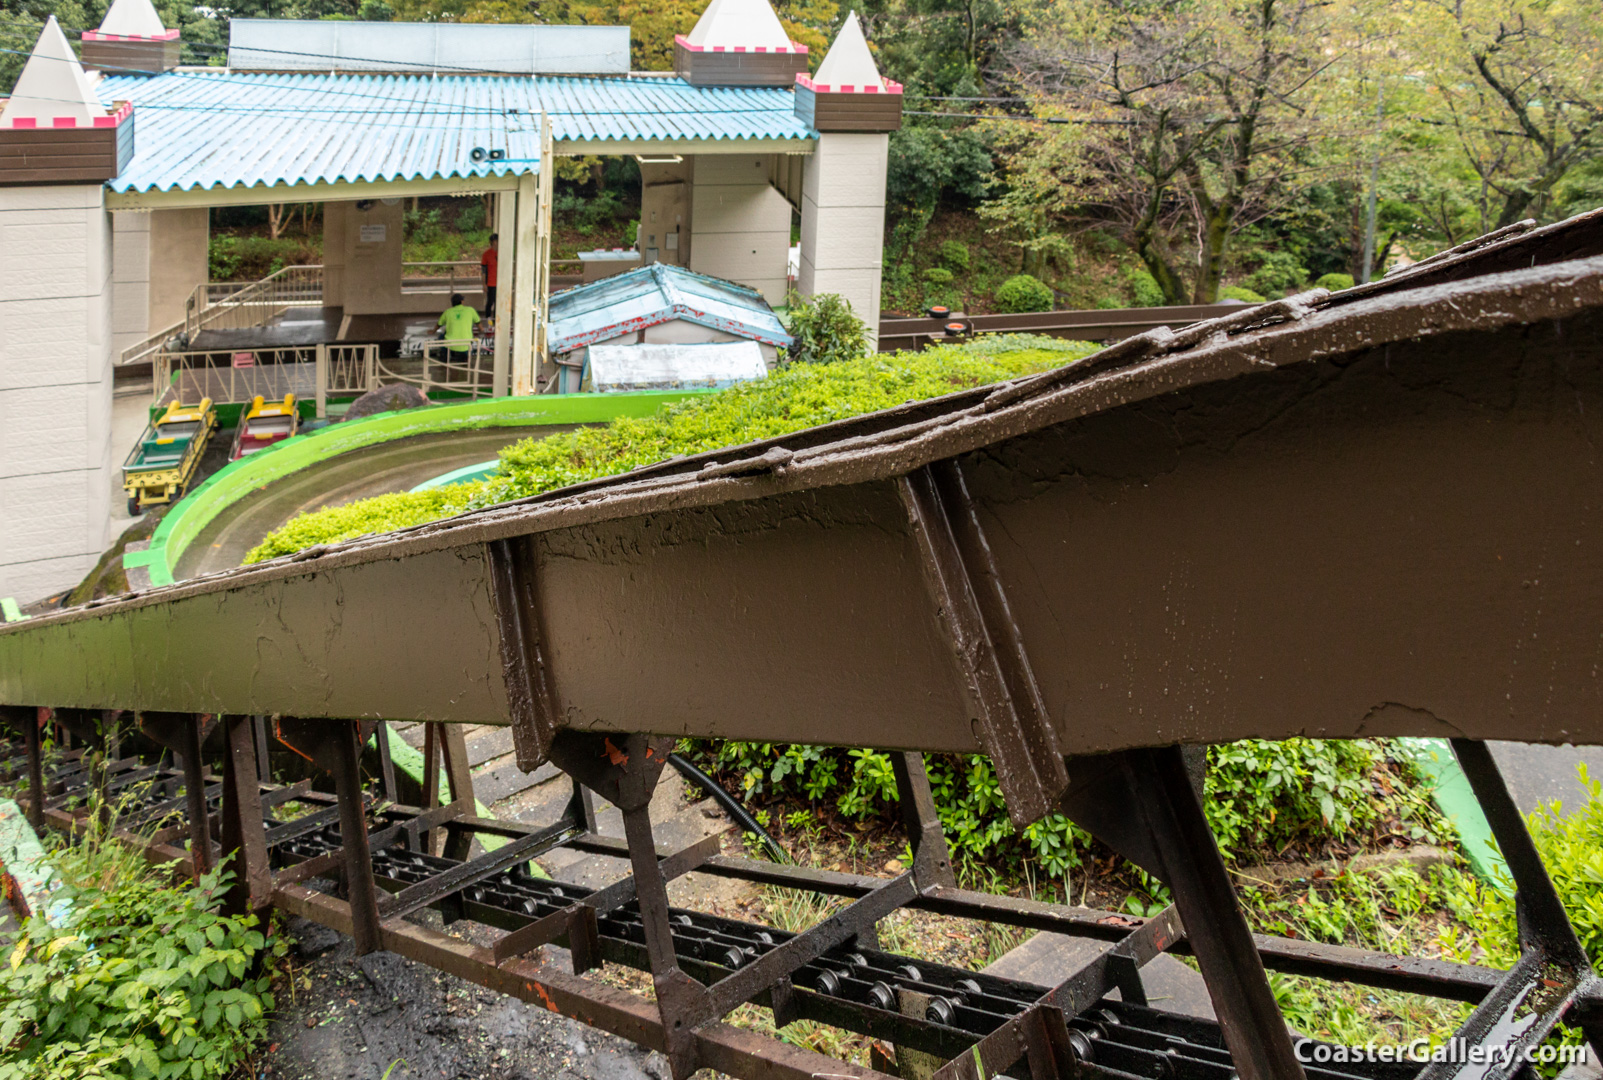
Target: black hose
727	801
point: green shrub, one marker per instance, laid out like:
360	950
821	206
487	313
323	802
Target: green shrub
1145	289
826	330
954	255
1109	303
1276	793
1279	272
148	980
799	396
1335	282
1236	292
937	275
862	786
1022	293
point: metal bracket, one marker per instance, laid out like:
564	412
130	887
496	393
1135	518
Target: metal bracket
961	572
531	694
932	857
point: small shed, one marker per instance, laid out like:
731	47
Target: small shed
658	304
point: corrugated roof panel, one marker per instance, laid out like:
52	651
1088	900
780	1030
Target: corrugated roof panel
245	129
586	314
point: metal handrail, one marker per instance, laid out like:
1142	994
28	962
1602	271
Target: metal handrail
472	377
257	303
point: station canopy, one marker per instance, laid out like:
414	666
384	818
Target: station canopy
204	130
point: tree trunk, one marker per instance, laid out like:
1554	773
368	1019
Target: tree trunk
1211	259
275	219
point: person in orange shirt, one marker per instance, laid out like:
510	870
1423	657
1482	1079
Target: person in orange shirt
487	268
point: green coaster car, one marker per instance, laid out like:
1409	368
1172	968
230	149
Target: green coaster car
161	466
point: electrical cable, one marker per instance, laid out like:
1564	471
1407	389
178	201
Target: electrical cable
729	803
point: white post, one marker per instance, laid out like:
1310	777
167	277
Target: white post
843	221
524	289
321	366
542	255
505	214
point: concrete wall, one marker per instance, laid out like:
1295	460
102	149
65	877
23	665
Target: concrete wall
55	386
334	253
742	225
665	212
843	221
372	278
179	261
130	279
158	259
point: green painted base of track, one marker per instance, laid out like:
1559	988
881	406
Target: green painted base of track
482	470
1451	792
240	478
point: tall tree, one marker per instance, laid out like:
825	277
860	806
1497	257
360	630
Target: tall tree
1191	116
1522	83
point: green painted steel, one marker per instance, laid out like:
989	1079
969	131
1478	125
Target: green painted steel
9	611
1451	792
238	479
479	471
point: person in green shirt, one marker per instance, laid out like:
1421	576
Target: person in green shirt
458	322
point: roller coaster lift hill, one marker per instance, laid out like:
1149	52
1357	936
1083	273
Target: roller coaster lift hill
1373	513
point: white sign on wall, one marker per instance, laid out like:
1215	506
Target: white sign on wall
374	234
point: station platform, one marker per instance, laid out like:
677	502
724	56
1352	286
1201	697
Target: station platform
300	327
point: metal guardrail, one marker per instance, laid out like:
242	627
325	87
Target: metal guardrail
310	372
256	304
439	368
918	332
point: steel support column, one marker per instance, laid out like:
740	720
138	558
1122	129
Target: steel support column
181	733
360	891
244	834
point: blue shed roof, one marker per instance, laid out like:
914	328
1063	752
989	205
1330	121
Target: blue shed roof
201	130
586	314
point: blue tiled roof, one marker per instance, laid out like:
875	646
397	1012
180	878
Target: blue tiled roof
655	294
239	129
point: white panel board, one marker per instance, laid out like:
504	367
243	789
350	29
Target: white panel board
443	48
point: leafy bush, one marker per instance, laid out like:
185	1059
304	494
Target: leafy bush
1335	282
1275	793
796	397
826	330
1236	292
862	786
1145	289
471	217
1109	303
1023	293
954	255
1278	273
937	275
250	258
149	980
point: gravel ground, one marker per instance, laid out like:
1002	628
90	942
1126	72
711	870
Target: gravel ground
362	1018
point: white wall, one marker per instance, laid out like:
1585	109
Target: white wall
742	225
55	386
159	257
843	221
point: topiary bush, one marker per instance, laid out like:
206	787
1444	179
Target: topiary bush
1023	292
954	255
938	275
1335	282
1145	289
826	330
1237	292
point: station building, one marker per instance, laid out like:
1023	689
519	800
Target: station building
110	166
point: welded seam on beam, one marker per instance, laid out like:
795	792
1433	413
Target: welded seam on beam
958	566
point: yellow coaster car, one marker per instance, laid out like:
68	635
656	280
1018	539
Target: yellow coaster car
264	424
165	460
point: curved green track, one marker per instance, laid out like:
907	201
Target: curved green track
421	436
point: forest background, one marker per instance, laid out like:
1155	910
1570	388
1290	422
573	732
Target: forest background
1123	152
